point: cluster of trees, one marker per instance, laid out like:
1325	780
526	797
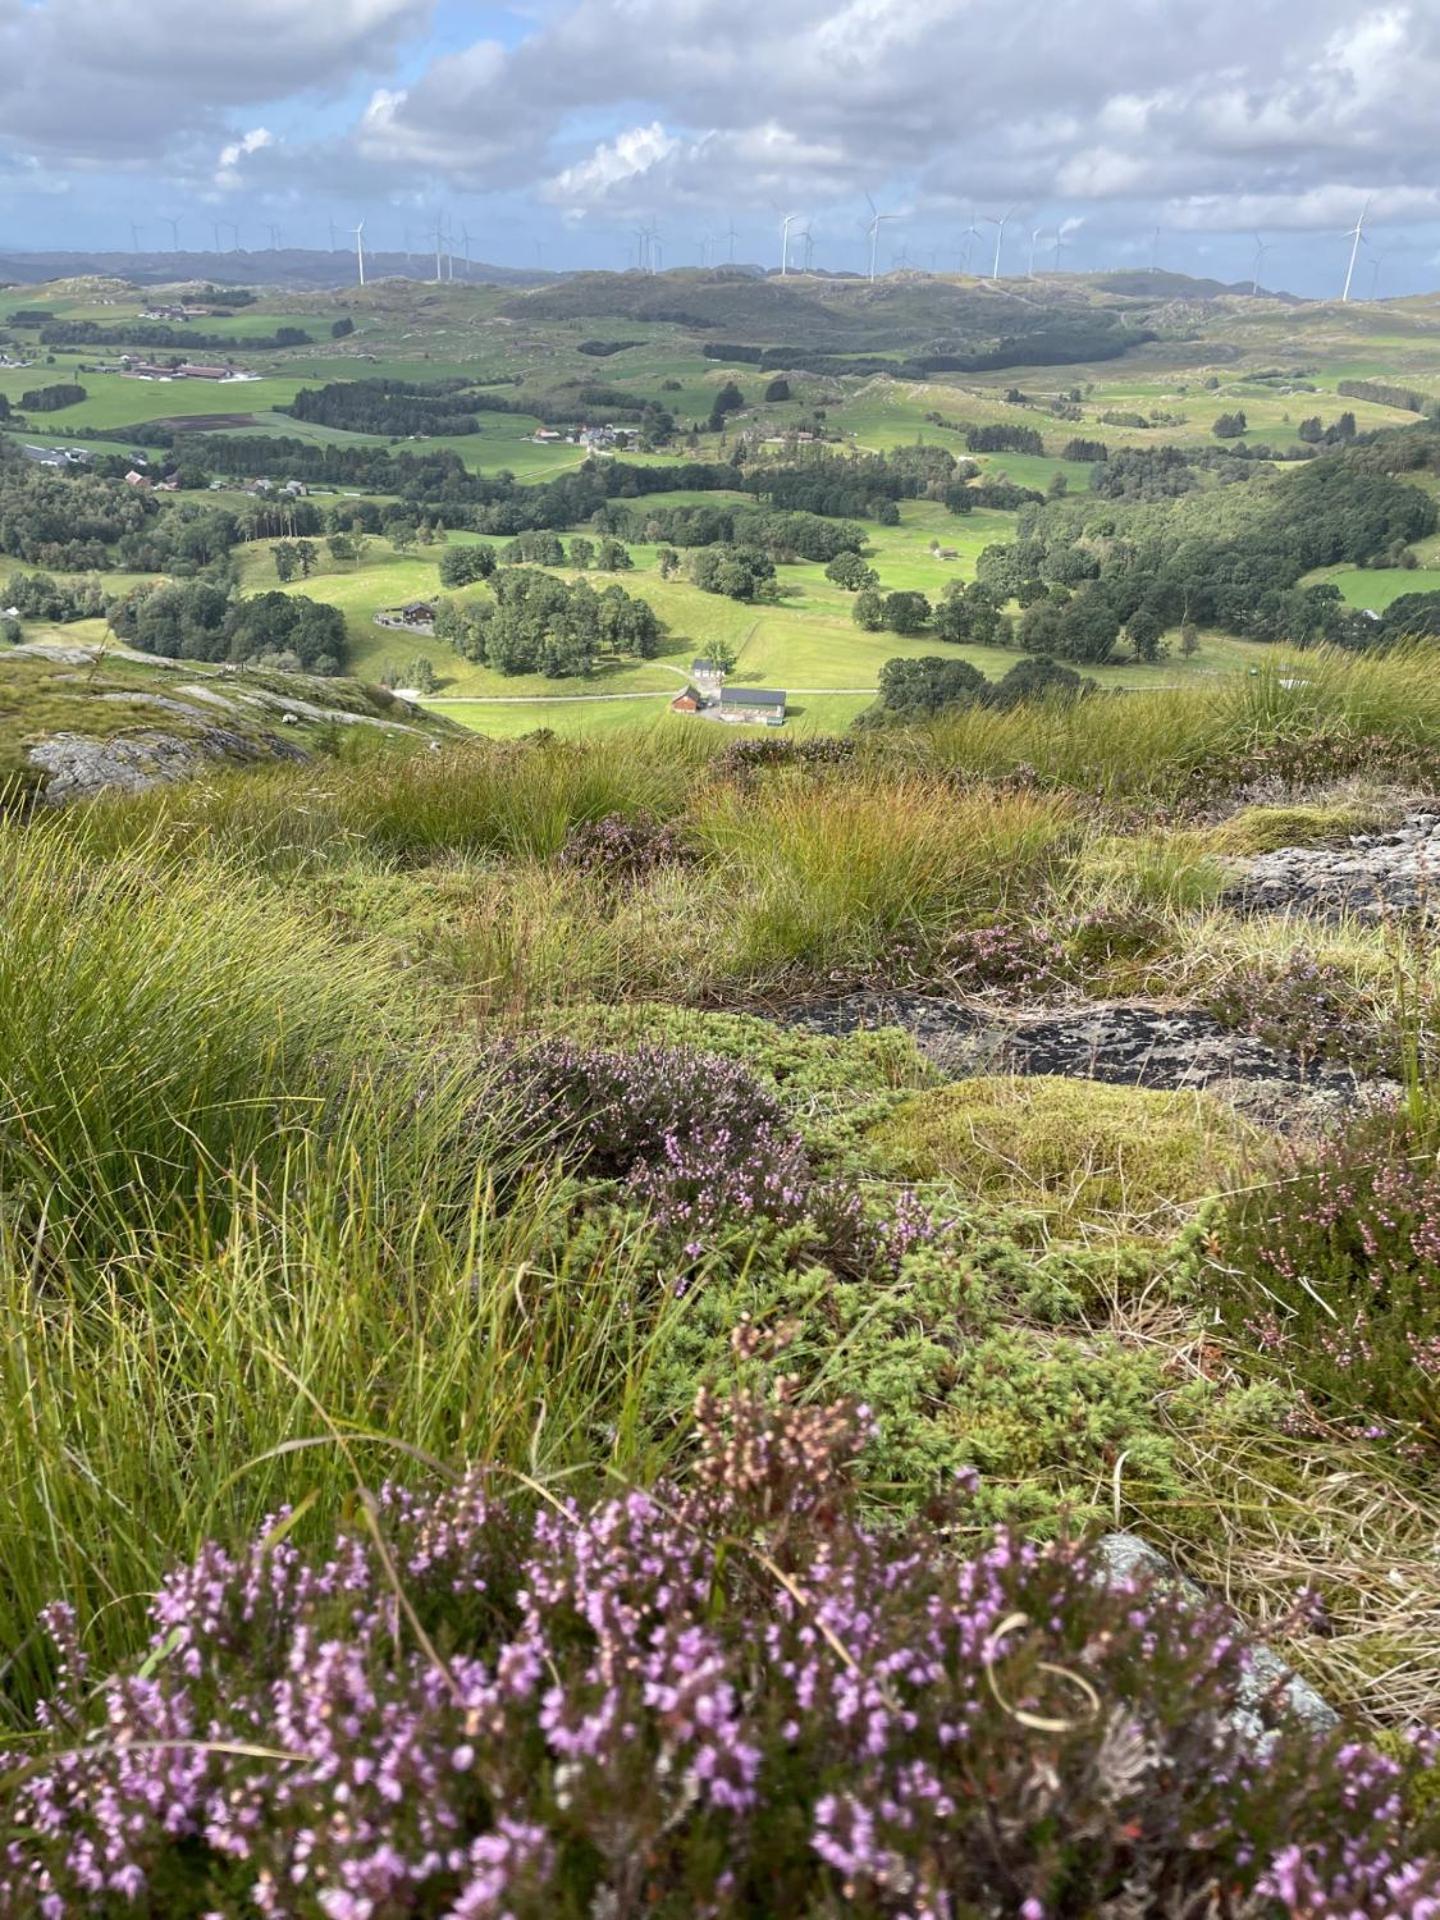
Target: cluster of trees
152	334
1143	473
65	393
1230	426
967	613
911	690
1002	439
1089	572
534	623
1405	398
743	573
1088	451
198	620
1315	433
433	407
39	596
463	566
542	548
728	399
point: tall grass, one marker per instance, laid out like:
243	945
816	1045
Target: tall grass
1157	743
170	1392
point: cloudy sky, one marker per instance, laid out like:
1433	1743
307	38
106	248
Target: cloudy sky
552	130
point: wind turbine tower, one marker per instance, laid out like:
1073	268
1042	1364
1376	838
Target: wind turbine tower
875	221
1356	237
787	220
360	251
731	236
1035	238
332	236
174	226
999	226
1262	247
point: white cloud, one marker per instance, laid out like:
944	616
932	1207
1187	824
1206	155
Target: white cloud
227	170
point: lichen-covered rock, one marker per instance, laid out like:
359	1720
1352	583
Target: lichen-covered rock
1370	876
77	764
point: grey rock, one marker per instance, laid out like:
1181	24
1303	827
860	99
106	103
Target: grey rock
79	764
1270	1683
1127	1043
1372	875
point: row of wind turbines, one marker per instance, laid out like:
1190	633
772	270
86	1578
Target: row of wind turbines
648	255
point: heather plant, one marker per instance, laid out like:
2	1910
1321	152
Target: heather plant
616	850
1014	956
1309	1005
692	1135
730	1696
1331	1272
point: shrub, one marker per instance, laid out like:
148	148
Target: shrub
730	1697
1332	1272
618	849
694	1135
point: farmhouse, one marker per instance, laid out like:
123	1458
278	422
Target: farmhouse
686	702
707	677
753	705
416	616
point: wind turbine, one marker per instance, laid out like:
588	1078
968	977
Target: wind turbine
970	236
274	233
467	240
657	251
439	239
332	236
1059	243
1262	247
999	226
135	233
1355	235
1375	267
876	218
787	220
360	251
215	230
809	240
174	226
234	226
732	237
1035	237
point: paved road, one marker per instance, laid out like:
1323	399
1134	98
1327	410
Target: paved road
578	699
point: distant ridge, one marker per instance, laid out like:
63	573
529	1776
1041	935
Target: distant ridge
298	267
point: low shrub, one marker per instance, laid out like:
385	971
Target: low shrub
617	850
1332	1273
694	1135
729	1697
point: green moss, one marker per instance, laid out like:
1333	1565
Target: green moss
1080	1152
1264	829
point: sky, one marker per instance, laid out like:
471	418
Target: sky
550	132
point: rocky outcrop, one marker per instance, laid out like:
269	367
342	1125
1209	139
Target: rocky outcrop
1370	875
1129	1043
78	764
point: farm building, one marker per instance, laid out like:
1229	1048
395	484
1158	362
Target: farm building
416	616
708	678
687	701
754	705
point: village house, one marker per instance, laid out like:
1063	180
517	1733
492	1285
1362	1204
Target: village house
686	702
416	616
708	678
756	706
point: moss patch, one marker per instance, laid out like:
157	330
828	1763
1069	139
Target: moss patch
1258	830
1083	1154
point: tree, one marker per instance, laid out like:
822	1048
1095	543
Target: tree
421	675
341	545
1145	631
404	535
1058	488
868	612
11	630
778	389
287	560
341	329
1230	426
906	612
462	566
307	553
729	399
582	552
669	562
1189	639
612	557
849	571
722	656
